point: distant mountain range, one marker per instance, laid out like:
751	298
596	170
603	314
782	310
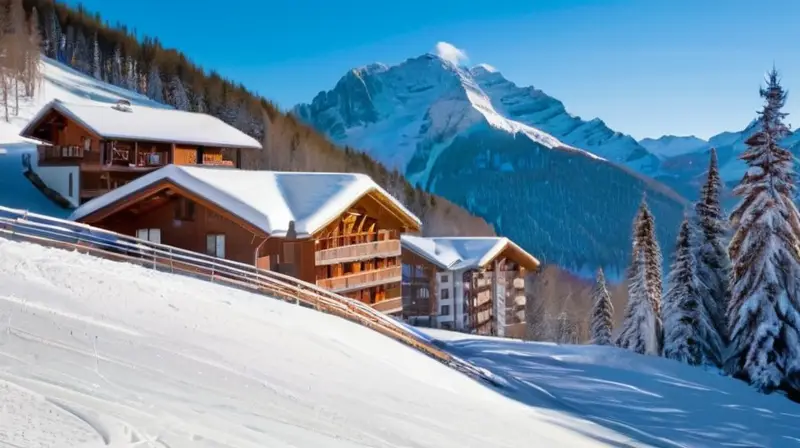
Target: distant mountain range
563	187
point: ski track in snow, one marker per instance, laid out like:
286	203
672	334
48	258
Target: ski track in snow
95	353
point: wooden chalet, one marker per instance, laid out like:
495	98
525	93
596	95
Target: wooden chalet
338	230
475	285
94	148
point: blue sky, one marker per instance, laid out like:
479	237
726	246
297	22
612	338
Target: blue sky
646	67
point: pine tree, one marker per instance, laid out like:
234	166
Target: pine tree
81	58
765	295
680	312
97	66
116	67
178	96
155	88
713	265
53	33
641	328
33	74
199	103
69	48
602	311
131	77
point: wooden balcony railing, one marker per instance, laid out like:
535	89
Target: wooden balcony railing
356	252
216	160
389	305
53	153
357	238
362	279
154	159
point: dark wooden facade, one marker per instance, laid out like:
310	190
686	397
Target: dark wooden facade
420	304
105	164
356	255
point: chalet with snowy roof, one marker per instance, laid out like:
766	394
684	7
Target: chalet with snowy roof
471	284
93	148
338	230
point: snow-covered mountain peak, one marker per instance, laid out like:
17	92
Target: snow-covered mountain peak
421	101
673	145
510	154
484	70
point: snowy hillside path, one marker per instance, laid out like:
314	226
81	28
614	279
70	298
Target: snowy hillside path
97	353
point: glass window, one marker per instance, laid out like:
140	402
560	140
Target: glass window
215	245
152	235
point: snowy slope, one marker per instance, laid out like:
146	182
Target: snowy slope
16	191
97	353
537	109
63	83
655	401
511	155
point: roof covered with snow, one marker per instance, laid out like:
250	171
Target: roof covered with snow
148	123
269	200
455	253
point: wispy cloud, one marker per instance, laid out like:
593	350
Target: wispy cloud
450	52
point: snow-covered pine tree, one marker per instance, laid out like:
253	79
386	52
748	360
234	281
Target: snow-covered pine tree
131	76
199	103
602	311
53	34
155	88
97	67
178	96
116	67
69	49
81	57
765	294
713	267
641	328
646	239
680	309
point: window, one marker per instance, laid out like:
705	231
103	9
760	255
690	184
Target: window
69	185
152	235
87	144
445	310
445	294
184	210
444	279
215	245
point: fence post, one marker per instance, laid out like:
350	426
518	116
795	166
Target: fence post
171	261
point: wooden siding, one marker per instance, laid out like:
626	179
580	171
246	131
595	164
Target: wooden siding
240	244
185	155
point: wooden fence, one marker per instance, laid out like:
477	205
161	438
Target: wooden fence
20	225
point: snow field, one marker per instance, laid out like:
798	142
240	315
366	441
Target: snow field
99	353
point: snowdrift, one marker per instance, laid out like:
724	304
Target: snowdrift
99	353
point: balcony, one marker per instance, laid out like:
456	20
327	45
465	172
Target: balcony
60	153
358	252
362	280
216	160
